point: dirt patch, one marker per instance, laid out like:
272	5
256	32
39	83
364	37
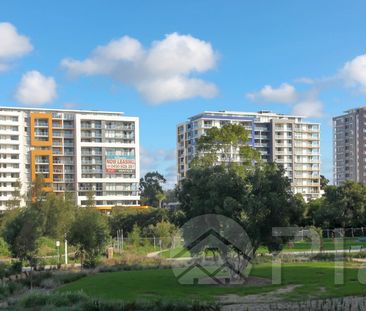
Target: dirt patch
250	281
269	297
344	303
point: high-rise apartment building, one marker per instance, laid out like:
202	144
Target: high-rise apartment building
287	140
349	146
74	150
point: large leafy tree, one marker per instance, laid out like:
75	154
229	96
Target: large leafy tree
23	232
150	187
125	218
343	206
89	233
228	178
228	145
258	202
59	213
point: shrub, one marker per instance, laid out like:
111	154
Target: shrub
80	301
68	277
35	299
4	248
49	283
16	267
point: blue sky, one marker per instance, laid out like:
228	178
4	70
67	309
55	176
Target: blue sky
286	56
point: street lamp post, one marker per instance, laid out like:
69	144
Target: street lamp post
66	255
58	252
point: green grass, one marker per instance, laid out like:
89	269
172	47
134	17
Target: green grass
317	280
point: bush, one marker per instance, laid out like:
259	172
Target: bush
4	248
49	283
68	277
16	267
10	288
80	301
35	299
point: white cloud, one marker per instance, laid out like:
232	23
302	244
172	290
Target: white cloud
164	72
12	45
35	89
354	72
309	108
285	93
304	104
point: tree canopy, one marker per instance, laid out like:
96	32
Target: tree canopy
228	144
150	187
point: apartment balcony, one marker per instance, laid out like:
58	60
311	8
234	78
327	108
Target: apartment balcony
57	125
42	162
84	171
56	115
90	126
43	172
40	124
91	162
91	153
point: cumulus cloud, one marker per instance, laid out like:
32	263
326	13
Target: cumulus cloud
304	104
12	45
164	72
35	89
285	93
354	72
309	108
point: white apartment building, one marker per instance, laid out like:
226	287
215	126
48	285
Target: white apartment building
284	139
74	150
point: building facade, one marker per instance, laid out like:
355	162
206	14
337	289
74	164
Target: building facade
73	150
349	146
284	139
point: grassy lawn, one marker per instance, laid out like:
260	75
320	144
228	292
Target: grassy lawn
328	244
317	280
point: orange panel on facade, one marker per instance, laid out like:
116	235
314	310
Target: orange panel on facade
48	153
40	116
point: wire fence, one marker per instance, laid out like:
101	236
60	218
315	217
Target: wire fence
121	243
337	233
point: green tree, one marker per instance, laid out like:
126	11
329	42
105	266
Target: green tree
135	235
59	212
89	233
218	145
164	231
257	201
90	199
4	248
323	182
150	186
22	234
125	218
160	196
16	198
38	191
342	207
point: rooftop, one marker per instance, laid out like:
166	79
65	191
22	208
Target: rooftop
245	114
60	110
